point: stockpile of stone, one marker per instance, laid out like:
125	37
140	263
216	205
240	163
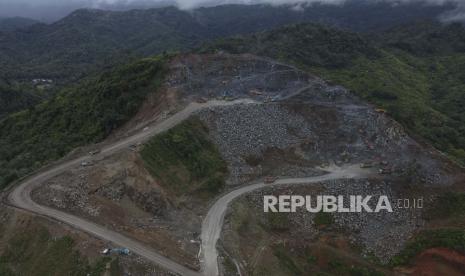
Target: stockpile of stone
235	76
73	196
380	234
113	190
383	234
241	131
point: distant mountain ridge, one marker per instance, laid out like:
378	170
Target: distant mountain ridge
69	48
13	23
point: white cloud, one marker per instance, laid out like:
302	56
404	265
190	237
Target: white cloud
196	3
44	8
189	4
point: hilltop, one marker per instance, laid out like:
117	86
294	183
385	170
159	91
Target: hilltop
86	39
144	147
413	71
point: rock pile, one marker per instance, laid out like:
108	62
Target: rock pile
380	234
241	131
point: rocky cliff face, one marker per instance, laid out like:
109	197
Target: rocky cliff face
299	120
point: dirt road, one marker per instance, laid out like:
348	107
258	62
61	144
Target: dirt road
213	222
21	195
211	227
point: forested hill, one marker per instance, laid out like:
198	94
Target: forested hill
415	71
13	99
87	39
13	23
76	116
425	38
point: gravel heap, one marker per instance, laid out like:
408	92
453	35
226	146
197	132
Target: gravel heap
383	234
73	195
380	234
241	131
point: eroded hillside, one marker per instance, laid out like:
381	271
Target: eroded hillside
292	125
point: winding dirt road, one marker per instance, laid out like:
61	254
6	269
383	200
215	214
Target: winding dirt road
213	222
20	197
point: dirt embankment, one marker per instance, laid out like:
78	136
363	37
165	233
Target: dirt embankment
119	193
438	261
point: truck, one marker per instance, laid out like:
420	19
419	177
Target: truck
386	170
86	163
366	165
94	152
270	179
120	251
202	100
255	92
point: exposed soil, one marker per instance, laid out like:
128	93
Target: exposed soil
298	124
120	194
439	261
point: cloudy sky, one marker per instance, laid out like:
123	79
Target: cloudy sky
48	10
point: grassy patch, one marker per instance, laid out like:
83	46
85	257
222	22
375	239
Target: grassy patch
323	218
277	222
36	253
449	238
185	160
448	205
229	265
341	268
115	268
298	262
286	261
311	259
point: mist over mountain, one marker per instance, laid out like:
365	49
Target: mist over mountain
90	38
52	10
158	125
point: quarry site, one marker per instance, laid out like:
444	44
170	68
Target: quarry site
278	122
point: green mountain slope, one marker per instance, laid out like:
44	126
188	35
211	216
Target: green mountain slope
68	49
417	78
85	42
185	161
77	116
36	252
13	23
14	99
89	41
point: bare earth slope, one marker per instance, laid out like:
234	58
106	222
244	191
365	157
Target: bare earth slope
265	118
20	197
